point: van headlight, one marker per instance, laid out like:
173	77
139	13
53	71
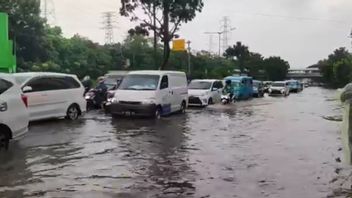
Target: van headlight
148	101
114	100
270	90
282	90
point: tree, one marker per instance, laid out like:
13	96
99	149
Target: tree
254	65
159	15
342	72
276	68
26	29
241	52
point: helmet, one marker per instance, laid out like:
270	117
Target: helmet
228	82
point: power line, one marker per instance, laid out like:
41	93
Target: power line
109	23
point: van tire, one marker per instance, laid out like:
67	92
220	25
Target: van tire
183	107
157	113
210	101
4	138
73	112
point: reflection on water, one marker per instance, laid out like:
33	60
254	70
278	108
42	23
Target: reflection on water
268	147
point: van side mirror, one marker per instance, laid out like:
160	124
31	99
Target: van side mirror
27	89
215	89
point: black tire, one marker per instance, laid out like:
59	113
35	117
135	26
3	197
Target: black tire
157	113
210	101
4	141
73	112
183	108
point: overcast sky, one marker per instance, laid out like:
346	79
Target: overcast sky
300	31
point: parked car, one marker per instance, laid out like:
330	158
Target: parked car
204	92
151	93
280	88
258	88
295	86
52	95
243	86
13	111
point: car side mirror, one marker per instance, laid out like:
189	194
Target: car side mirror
215	89
27	89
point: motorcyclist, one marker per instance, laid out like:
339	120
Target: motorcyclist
228	89
87	83
101	91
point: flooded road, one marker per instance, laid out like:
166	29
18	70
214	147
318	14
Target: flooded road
270	147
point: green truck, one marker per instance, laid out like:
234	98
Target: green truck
7	49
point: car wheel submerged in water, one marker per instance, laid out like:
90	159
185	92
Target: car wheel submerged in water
4	141
73	112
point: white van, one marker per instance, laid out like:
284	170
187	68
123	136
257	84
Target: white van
52	95
151	93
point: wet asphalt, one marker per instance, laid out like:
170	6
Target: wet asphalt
268	147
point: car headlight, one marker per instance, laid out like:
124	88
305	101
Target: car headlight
270	90
282	90
114	100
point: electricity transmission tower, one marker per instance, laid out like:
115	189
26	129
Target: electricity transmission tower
226	29
109	23
211	43
48	11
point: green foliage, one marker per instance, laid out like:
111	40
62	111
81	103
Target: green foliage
275	68
337	68
26	29
164	17
254	64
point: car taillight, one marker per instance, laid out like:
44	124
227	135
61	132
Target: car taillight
25	99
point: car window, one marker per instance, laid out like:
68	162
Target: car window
72	83
164	82
4	85
39	84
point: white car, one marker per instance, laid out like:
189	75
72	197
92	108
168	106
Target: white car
151	93
52	95
280	88
204	92
13	111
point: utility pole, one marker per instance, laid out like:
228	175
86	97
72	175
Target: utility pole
109	26
211	43
155	35
48	11
189	58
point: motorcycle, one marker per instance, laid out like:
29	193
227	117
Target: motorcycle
226	99
95	99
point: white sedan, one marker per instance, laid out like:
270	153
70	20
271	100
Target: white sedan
13	111
204	92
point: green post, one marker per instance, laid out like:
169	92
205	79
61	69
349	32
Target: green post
7	51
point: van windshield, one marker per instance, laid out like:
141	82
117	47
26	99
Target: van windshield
140	82
199	85
278	85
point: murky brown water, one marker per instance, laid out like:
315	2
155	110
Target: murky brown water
270	147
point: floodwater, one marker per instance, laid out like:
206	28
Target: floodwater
269	147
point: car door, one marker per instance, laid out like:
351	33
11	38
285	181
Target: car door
166	95
58	96
39	101
217	93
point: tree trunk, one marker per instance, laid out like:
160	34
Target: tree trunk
166	34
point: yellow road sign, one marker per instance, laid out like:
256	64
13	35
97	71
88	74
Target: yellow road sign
179	45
